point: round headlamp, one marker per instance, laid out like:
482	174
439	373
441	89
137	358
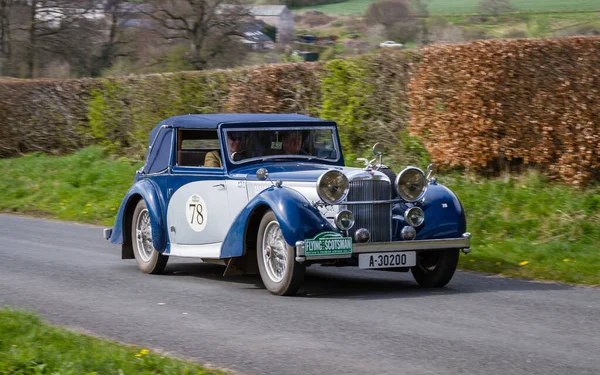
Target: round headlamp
411	184
414	216
333	186
344	220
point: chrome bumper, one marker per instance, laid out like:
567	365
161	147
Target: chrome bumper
463	243
107	233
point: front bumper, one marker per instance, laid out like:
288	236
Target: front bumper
463	243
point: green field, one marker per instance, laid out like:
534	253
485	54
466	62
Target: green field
522	225
467	6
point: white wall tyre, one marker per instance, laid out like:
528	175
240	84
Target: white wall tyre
435	269
277	265
147	258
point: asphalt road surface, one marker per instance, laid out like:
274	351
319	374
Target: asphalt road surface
345	321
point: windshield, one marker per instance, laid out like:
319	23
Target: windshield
275	143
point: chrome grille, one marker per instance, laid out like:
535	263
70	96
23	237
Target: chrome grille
377	218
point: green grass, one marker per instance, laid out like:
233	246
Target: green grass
29	346
553	227
542	25
524	226
87	186
466	6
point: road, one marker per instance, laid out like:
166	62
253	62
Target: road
345	321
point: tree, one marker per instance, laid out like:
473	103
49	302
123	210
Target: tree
116	14
420	8
5	35
388	12
208	27
48	25
495	7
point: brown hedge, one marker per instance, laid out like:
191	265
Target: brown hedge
43	115
492	104
279	88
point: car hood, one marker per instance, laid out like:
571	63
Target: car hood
285	171
299	172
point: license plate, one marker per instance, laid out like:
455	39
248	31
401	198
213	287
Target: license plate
387	260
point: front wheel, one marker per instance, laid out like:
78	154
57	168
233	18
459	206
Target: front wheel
277	265
147	258
434	269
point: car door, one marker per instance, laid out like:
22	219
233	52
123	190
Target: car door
198	209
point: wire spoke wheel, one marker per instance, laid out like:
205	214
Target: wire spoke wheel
274	252
279	270
148	259
143	235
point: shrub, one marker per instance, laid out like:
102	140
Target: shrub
490	105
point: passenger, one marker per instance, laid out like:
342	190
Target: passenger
213	158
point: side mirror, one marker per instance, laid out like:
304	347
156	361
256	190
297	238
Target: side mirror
236	156
262	174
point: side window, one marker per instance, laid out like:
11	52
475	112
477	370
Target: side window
198	148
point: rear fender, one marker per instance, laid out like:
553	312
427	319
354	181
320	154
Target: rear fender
150	193
298	219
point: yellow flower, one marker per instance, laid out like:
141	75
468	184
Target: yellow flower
84	212
138	355
144	351
88	205
524	263
112	208
566	260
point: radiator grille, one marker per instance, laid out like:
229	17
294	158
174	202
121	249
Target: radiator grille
377	218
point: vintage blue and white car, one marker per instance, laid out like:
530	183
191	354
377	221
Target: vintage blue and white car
269	194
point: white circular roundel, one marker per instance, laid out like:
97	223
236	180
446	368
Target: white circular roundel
196	213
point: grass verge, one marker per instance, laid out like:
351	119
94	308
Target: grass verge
522	226
30	346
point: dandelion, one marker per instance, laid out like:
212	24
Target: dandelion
524	263
88	205
144	351
138	355
566	260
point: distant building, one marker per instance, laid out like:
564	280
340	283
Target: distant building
276	15
254	37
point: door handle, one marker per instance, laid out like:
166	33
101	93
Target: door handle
219	185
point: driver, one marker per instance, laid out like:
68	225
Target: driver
234	142
292	142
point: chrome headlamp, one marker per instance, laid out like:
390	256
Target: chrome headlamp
414	216
344	220
411	184
333	186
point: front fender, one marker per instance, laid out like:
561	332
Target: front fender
444	214
298	219
150	193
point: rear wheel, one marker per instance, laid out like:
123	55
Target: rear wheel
147	258
277	265
435	269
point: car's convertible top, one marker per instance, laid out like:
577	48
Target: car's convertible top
212	121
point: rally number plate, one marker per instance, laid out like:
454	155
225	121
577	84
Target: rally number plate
387	260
